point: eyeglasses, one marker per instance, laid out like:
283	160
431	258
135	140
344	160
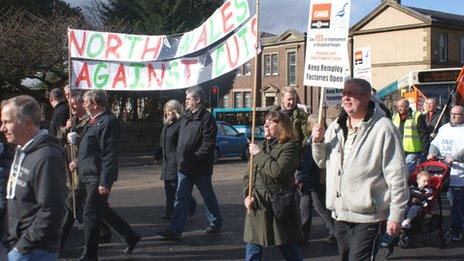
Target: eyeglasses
459	114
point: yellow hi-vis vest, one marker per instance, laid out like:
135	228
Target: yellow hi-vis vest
411	138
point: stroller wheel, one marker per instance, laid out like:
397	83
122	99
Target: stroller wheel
404	240
446	237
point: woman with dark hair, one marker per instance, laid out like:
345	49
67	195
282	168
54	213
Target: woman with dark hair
167	152
274	166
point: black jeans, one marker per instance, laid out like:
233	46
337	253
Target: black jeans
357	241
96	209
69	214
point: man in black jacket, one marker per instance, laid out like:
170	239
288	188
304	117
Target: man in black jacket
36	186
195	149
60	111
97	164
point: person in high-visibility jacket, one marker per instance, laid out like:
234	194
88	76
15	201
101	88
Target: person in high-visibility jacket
411	126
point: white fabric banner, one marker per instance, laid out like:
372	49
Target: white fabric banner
96	45
172	74
326	62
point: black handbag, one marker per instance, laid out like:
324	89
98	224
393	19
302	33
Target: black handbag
283	204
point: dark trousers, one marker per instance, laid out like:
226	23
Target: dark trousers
315	199
170	188
96	209
356	241
69	215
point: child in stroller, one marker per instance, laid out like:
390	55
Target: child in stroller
421	194
422	216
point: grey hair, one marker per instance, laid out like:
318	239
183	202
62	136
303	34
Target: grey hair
97	96
405	101
78	95
27	108
175	106
57	94
197	92
290	89
364	85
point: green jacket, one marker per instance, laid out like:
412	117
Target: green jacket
275	164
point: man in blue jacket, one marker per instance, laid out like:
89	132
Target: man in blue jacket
36	186
195	149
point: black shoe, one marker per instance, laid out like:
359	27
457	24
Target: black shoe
132	243
389	251
331	240
192	208
84	257
104	236
169	234
166	217
212	230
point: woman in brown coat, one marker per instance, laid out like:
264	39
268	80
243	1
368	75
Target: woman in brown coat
274	166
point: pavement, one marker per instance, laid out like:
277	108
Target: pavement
138	197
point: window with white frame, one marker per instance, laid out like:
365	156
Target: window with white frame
291	68
247	99
225	101
238	100
246	70
271	64
274	64
462	49
267	64
443	47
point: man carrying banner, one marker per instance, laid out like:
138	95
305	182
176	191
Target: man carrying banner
366	174
97	165
430	118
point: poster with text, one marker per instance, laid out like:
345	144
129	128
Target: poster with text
362	64
326	61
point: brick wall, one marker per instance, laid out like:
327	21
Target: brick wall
139	137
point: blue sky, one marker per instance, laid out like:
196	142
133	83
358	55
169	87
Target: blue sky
277	16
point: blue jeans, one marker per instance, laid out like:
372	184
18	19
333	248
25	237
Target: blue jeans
457	210
255	252
183	196
412	159
33	255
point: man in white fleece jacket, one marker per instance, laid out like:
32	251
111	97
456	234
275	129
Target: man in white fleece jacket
366	172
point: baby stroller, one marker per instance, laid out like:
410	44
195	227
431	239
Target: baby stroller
429	220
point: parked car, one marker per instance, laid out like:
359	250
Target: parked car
230	143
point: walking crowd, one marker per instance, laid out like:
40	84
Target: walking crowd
356	173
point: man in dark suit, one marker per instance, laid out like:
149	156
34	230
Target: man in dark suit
97	165
60	111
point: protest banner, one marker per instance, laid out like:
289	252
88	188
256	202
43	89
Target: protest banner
362	64
94	45
171	74
333	96
326	61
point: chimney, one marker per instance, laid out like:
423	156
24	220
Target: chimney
396	1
